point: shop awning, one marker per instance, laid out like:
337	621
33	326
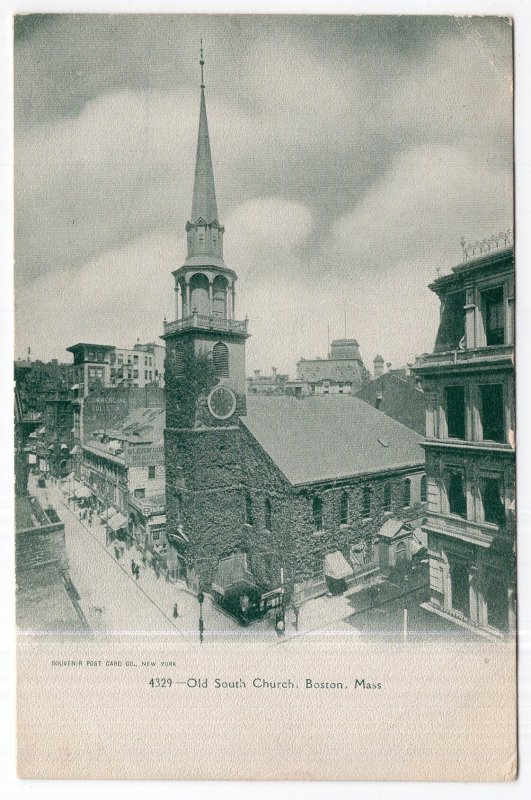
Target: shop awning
230	571
75	386
117	522
82	491
33	435
109	512
158	520
74	450
337	566
64	447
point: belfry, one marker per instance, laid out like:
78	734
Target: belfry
205	383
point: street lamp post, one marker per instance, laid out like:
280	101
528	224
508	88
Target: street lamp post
201	598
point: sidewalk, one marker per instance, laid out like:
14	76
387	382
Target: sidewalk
319	613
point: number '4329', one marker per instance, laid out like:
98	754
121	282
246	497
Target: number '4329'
160	683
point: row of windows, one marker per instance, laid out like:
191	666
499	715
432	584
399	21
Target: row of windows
491	493
91	355
134	359
491	411
344	506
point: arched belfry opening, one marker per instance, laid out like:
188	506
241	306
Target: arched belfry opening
220	288
199	294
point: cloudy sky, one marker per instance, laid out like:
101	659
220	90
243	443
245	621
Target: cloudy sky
350	157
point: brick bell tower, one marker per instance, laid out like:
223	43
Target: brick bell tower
205	390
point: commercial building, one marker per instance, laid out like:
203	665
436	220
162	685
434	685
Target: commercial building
468	382
272	384
99	366
124	469
341	372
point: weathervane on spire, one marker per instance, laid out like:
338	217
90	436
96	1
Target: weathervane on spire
202	62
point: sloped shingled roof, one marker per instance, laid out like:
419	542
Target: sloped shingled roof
324	438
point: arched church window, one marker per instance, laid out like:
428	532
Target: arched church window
387	497
344	510
267	514
407	492
317	511
249	509
220	359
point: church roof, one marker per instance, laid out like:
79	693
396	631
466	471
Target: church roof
316	439
204	205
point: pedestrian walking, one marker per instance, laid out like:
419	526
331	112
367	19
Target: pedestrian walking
175	611
137	571
133	568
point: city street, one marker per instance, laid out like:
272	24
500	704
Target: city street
114	602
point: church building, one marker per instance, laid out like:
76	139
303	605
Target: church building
265	492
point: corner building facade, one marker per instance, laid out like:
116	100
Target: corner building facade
468	383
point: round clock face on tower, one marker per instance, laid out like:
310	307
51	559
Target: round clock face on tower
221	402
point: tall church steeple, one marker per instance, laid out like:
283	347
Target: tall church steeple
205	234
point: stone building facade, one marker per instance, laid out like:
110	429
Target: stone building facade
399	397
124	468
469	385
341	372
295	490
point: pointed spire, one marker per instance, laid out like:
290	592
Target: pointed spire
204	202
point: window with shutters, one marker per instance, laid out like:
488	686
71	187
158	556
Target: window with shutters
423	489
220	359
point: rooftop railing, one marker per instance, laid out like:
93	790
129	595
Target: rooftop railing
498	241
206	323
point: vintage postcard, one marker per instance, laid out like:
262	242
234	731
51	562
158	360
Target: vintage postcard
264	397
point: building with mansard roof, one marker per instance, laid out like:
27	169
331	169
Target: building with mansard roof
468	383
